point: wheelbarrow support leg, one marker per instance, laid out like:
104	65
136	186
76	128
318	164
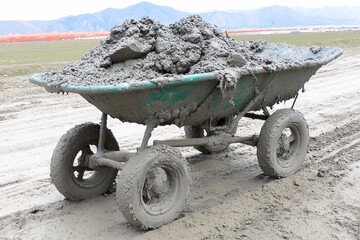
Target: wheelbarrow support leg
296	96
102	136
147	135
266	111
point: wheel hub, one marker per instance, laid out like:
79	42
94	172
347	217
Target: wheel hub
283	151
157	183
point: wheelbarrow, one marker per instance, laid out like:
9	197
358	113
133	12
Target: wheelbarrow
154	181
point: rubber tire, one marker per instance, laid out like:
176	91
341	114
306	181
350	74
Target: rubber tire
64	154
198	132
132	179
268	140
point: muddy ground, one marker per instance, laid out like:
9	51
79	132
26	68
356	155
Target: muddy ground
230	198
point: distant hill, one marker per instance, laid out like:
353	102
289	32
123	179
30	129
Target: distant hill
275	16
279	16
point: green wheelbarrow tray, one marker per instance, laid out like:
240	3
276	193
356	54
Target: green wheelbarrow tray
193	99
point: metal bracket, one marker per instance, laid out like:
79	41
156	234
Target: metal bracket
258	95
252	141
113	159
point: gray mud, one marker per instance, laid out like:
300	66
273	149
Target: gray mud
145	50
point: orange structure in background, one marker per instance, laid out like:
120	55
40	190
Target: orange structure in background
51	36
87	35
84	35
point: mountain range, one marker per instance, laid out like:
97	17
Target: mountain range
268	17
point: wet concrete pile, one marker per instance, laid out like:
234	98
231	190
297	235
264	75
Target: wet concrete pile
145	50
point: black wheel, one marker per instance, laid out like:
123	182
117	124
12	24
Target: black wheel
68	170
283	143
154	186
198	131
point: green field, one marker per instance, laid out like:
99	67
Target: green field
24	58
44	52
346	40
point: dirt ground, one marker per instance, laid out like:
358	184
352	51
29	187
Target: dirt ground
229	199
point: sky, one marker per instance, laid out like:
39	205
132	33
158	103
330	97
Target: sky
47	9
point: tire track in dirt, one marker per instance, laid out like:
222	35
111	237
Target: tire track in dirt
248	204
192	221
